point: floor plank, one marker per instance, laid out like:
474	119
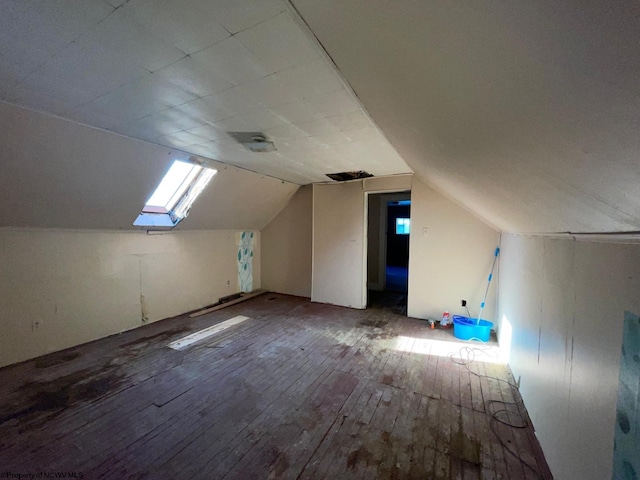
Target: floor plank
299	390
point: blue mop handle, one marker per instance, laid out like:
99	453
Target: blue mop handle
484	299
495	257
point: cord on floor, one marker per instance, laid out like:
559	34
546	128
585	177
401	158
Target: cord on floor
466	357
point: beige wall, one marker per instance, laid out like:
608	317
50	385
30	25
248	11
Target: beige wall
565	302
339	246
338	236
451	261
286	247
84	285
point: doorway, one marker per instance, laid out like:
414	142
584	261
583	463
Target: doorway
388	229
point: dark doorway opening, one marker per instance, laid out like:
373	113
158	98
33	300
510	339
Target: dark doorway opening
397	264
389	226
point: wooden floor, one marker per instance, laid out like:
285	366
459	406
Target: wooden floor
300	390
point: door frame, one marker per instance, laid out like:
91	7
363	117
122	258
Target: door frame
386	196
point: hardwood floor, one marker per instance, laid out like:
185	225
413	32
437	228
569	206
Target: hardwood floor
300	390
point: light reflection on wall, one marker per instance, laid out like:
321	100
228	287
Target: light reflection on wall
504	338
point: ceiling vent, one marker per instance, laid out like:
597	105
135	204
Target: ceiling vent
345	176
255	141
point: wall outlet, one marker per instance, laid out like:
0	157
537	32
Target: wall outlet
36	324
425	231
228	283
463	303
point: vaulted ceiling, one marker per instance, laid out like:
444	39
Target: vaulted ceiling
526	113
185	73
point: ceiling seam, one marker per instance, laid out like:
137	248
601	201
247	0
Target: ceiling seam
145	141
305	27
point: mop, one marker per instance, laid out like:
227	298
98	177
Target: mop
495	257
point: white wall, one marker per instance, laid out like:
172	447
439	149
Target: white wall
83	285
339	244
565	301
451	261
448	264
338	236
286	247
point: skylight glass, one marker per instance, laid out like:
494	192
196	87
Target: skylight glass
173	185
173	198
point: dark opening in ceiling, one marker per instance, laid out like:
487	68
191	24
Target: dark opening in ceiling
344	176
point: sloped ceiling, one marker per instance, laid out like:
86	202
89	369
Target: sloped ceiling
56	173
526	112
184	73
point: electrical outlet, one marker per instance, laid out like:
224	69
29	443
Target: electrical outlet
228	283
464	303
36	324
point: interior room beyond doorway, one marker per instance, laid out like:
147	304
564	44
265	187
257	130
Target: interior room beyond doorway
388	227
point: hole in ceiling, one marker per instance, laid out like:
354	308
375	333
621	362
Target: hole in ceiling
344	176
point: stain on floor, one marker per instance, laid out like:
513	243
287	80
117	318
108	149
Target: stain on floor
53	396
157	337
55	359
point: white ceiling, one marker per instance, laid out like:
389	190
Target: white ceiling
183	73
525	112
56	173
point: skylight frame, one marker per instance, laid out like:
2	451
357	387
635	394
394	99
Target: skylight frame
184	186
165	209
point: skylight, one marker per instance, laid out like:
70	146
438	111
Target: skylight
173	185
172	199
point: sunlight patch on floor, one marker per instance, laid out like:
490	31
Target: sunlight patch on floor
482	352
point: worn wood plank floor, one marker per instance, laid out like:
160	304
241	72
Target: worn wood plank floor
300	390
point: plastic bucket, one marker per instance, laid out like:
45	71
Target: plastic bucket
466	328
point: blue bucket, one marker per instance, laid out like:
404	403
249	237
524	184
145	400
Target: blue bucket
466	328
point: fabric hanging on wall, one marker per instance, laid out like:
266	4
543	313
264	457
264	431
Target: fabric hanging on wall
626	445
245	261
